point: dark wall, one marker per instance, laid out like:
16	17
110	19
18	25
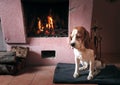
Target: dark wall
106	13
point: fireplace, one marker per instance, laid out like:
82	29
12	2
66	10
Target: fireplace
46	18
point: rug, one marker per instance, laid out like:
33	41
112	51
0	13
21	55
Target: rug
63	74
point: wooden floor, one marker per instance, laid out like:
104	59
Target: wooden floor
40	75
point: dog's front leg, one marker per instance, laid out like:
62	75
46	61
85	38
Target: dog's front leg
76	72
91	70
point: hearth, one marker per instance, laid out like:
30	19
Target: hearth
46	18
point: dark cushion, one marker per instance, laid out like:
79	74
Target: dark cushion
64	74
7	57
7	53
7	69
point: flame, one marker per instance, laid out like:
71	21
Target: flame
40	27
39	23
44	28
50	22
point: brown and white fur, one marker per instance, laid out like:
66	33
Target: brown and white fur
80	42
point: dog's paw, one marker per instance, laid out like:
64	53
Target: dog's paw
75	75
90	77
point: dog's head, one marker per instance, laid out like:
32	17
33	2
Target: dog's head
79	38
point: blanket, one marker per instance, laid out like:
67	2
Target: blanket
63	74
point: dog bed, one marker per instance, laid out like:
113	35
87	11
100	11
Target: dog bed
110	75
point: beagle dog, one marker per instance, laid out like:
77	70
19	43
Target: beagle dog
84	55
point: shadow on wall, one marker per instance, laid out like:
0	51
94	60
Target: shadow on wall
36	59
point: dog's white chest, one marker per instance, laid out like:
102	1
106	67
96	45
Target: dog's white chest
81	55
77	53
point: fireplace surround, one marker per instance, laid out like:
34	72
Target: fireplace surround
45	18
12	17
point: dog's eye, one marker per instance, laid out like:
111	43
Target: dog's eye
78	36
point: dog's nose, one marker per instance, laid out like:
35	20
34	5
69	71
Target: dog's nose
72	44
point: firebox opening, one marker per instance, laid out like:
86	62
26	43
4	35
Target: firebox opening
48	53
45	18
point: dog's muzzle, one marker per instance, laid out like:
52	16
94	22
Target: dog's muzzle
72	44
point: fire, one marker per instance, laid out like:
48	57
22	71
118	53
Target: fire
39	23
48	28
50	22
40	27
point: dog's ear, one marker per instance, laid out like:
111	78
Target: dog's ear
86	39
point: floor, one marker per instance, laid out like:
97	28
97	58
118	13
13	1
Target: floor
41	75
